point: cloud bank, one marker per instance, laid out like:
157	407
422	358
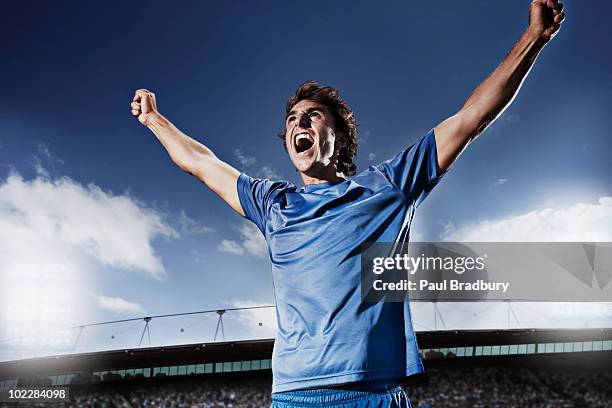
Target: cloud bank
581	222
115	230
51	232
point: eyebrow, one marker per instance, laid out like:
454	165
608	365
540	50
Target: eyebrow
309	110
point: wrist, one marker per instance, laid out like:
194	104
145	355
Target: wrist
154	119
535	37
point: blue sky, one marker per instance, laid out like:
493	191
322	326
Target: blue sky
86	187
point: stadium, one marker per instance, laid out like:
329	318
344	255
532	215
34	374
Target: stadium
126	283
515	367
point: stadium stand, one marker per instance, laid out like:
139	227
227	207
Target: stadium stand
504	368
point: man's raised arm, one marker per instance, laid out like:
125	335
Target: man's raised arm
188	154
491	97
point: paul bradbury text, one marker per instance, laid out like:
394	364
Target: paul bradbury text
446	285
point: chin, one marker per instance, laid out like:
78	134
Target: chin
304	165
307	170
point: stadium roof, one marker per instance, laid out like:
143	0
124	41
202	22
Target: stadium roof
262	349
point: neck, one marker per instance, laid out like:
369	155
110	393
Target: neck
324	177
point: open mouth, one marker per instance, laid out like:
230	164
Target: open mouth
303	142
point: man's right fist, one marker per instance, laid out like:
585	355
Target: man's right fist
144	106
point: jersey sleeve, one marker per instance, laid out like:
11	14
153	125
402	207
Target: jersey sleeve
415	170
256	197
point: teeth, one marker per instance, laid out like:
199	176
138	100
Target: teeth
303	136
303	142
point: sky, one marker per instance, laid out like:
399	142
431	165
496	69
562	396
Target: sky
97	224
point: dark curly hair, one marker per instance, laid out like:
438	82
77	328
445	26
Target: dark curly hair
343	118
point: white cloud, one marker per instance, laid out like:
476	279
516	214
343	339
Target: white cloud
251	242
189	226
114	230
500	181
243	159
364	137
41	171
231	247
119	305
579	312
587	222
581	222
371	156
268	172
52	232
255	323
248	162
43	148
44	158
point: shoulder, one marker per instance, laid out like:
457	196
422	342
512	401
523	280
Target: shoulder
373	176
263	187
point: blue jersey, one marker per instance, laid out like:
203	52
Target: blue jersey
325	334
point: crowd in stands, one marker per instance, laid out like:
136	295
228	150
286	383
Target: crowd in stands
443	387
495	386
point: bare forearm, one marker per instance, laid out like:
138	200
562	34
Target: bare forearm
183	150
496	93
189	154
487	102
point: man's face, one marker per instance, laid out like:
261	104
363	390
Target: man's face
311	139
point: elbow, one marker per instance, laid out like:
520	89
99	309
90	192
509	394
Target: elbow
187	168
196	164
185	163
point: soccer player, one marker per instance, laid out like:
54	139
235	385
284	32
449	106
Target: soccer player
332	348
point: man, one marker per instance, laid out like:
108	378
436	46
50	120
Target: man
332	348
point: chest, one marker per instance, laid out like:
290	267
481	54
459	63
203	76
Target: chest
333	221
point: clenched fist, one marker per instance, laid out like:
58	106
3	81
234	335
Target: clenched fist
545	18
144	106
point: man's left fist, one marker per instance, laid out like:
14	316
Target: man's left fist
545	18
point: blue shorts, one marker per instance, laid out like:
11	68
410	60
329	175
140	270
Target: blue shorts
371	394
